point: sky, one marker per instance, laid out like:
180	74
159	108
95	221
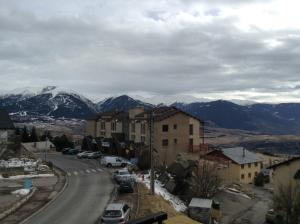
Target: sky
165	49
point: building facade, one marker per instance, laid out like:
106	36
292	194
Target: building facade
174	131
286	174
236	165
7	133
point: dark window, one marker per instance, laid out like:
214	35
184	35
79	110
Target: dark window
143	128
175	140
165	128
249	175
102	125
133	127
175	126
191	129
143	139
256	173
113	126
242	166
165	142
191	142
243	176
249	165
256	164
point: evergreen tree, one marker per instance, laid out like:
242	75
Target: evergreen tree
25	135
33	135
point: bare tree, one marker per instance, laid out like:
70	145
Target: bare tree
287	203
206	179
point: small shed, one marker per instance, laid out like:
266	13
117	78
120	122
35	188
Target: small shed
200	210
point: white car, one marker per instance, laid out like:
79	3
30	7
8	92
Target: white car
114	161
123	175
83	154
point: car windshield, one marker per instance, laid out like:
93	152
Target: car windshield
112	213
125	172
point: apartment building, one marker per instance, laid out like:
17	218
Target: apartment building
7	132
236	165
106	124
174	132
286	174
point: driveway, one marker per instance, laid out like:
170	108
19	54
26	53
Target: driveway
85	197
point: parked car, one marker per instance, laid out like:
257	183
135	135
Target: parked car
123	175
65	150
71	152
94	155
114	161
126	187
116	213
83	154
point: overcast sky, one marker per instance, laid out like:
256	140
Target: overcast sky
216	49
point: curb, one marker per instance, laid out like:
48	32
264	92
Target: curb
17	205
52	200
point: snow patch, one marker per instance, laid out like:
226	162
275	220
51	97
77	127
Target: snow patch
27	176
21	192
176	202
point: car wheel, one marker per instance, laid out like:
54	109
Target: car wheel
123	164
109	165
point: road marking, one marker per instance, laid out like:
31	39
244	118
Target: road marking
75	173
100	170
94	171
88	171
69	174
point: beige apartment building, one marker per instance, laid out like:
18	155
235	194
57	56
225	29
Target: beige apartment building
236	165
286	174
174	132
106	124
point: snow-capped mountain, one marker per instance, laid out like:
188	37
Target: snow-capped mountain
47	101
121	103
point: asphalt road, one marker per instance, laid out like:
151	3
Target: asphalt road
85	197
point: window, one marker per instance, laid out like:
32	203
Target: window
249	175
132	137
175	126
143	128
242	166
256	164
175	140
165	128
133	127
143	139
249	165
191	129
191	142
256	173
165	142
242	176
113	126
102	125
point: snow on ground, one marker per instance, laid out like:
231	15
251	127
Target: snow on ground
16	162
236	192
177	204
21	192
27	176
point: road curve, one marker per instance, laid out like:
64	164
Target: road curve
85	197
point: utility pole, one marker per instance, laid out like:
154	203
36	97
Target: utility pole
151	123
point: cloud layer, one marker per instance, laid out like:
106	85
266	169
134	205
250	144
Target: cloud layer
211	49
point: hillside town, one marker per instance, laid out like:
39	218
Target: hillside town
146	155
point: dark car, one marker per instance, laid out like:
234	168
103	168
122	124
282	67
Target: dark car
72	152
65	150
126	187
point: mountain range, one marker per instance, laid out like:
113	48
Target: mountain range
55	102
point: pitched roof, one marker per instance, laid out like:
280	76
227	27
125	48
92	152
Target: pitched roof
164	112
240	155
5	121
109	115
286	162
